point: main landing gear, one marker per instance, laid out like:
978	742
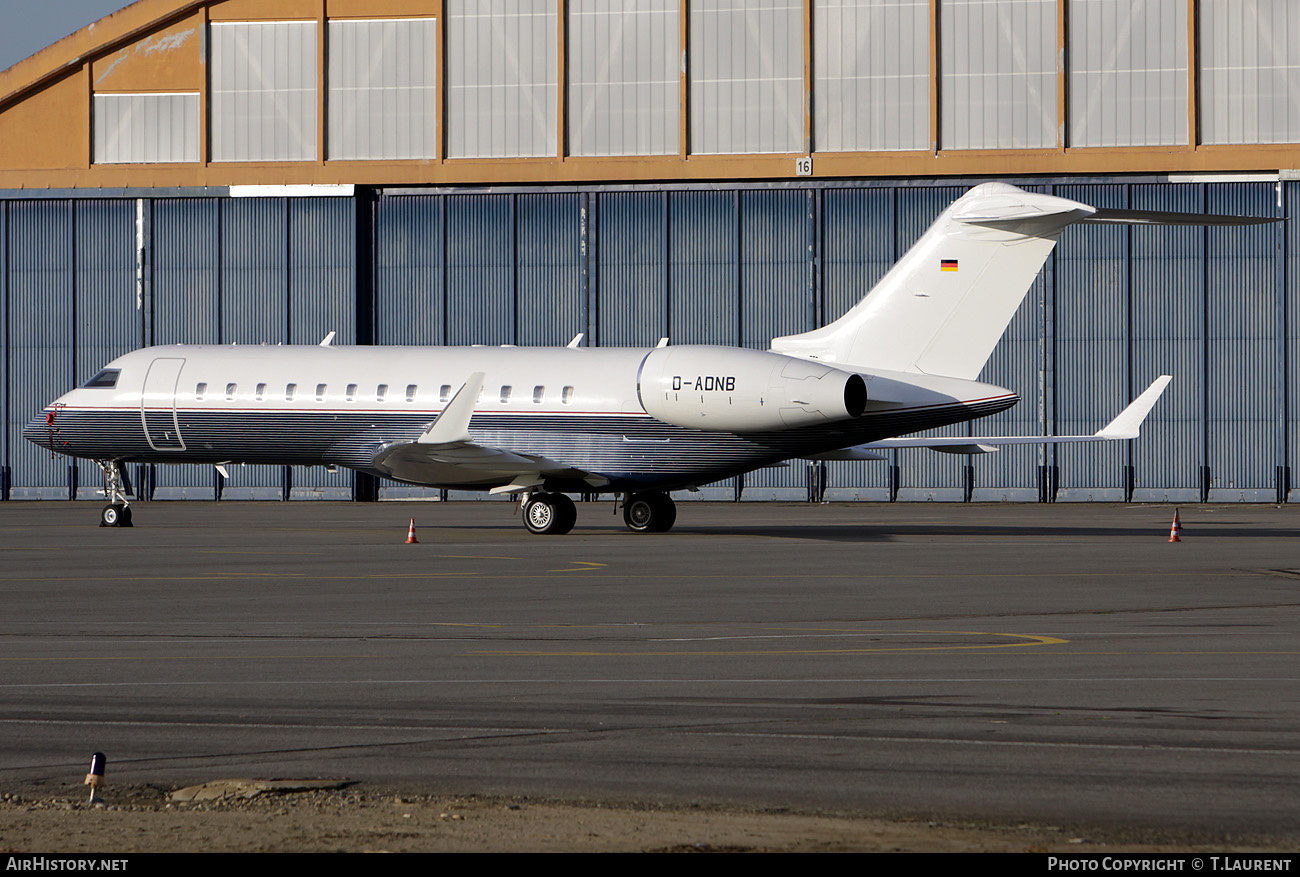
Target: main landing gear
649	512
118	511
553	514
549	514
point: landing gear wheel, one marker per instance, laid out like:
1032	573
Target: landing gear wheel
115	515
116	489
649	513
550	514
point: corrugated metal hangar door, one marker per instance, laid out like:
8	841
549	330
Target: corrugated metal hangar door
87	279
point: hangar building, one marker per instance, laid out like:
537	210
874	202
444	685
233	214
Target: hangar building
713	171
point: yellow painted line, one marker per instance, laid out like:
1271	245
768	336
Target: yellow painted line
190	658
1073	652
1029	640
277	553
587	566
654	577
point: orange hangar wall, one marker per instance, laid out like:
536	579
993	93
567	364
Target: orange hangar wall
408	92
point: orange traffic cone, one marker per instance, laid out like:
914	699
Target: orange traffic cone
1175	528
410	535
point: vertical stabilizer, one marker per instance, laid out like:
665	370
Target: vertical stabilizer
943	307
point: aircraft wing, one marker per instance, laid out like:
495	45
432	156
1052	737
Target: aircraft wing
1126	425
445	453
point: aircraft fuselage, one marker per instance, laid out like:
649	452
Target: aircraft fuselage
584	408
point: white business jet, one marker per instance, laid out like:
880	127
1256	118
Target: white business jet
541	423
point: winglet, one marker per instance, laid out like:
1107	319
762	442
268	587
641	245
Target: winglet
328	339
1128	422
577	340
452	425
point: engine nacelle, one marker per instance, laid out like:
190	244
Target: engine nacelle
736	390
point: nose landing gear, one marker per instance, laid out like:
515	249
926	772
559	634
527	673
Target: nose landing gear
118	511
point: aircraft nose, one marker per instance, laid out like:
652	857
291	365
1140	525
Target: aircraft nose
40	429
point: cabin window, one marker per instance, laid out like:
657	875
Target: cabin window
538	394
200	390
352	393
505	394
105	380
567	396
381	392
231	389
444	392
320	392
290	390
261	392
410	392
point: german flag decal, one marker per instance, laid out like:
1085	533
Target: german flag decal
947	264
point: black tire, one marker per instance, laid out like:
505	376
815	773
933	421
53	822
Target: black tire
111	515
550	514
649	513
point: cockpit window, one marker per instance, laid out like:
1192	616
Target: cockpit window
105	380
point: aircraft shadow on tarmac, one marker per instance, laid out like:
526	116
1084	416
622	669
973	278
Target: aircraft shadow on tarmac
885	531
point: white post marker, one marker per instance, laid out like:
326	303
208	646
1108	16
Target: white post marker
95	778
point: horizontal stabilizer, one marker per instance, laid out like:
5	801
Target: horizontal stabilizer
850	454
1160	217
1125	426
967	449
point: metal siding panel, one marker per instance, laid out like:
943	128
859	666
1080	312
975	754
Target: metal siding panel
480	270
858	229
7	400
263	94
502	65
1240	355
775	266
254	307
1292	206
858	236
408	290
704	303
923	474
322	269
1250	71
631	252
1168	337
1091	347
42	313
871	67
1128	72
383	89
746	76
1017	363
997	74
145	128
109	323
254	271
774	299
186	258
552	300
322	299
409	299
623	77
